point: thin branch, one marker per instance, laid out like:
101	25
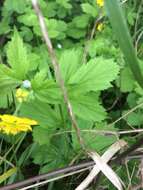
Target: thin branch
102	132
141	172
67	170
50	175
114	103
54	179
5	160
57	72
123	155
91	36
137	41
126	114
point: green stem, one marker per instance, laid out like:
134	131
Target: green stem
18	145
17	108
50	187
62	116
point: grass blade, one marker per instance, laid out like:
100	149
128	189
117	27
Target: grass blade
119	24
7	174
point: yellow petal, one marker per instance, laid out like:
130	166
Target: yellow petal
26	121
18	92
100	27
100	3
10	130
21	95
8	118
25	128
10	124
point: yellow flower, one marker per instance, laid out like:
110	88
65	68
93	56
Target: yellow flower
10	124
100	3
21	94
100	27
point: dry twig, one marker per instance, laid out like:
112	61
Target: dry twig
112	150
57	70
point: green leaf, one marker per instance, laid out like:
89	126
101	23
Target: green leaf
84	124
100	46
40	155
135	119
41	112
17	56
50	10
96	75
52	25
89	9
117	19
69	63
34	60
131	17
42	135
56	28
54	155
26	33
75	33
64	3
14	5
126	80
39	80
28	19
44	89
132	99
94	141
81	21
99	142
7	79
6	98
138	89
4	26
88	108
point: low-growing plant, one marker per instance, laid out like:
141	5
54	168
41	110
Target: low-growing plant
103	81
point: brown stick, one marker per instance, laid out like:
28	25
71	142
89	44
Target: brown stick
58	172
57	70
131	149
49	175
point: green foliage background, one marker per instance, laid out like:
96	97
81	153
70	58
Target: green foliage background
95	75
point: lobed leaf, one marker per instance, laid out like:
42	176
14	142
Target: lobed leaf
69	63
44	114
17	56
88	108
96	75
